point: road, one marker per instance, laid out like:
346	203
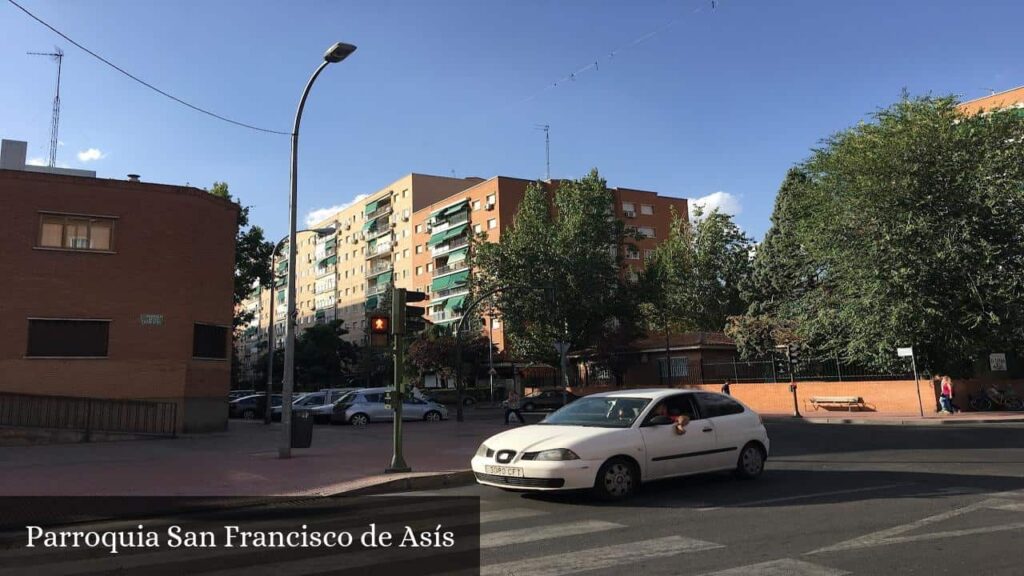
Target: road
834	500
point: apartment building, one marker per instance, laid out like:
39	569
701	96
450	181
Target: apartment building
1007	99
415	232
116	291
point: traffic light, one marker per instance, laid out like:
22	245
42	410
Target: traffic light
793	353
411	319
380	330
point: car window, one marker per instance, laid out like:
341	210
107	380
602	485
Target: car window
374	398
414	401
713	405
346	398
601	411
678	405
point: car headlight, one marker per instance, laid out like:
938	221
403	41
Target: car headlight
483	450
558	454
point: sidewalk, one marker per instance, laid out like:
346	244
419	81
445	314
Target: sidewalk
242	461
929	419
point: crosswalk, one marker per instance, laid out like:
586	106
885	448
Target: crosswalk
517	538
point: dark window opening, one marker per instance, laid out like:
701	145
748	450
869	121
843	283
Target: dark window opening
713	405
68	338
210	342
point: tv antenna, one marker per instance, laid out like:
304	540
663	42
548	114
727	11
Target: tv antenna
547	146
58	56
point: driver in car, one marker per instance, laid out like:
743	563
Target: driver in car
681	420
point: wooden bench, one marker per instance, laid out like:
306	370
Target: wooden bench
848	401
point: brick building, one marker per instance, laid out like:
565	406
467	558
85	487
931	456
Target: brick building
116	290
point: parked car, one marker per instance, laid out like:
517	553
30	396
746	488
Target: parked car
236	394
367	405
322	413
609	443
252	406
314	401
545	400
470	396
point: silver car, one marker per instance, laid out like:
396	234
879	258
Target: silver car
367	405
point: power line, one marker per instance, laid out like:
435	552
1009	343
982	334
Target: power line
143	82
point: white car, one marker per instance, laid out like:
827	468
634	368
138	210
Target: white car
612	442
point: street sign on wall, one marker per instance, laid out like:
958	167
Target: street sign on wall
997	362
904	352
151	319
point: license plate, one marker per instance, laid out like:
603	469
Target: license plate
504	471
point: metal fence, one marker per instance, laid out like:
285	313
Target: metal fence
89	414
818	369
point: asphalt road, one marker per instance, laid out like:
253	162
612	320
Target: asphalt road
834	499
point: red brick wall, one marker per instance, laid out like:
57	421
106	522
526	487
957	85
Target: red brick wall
173	255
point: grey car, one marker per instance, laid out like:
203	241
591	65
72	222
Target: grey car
367	405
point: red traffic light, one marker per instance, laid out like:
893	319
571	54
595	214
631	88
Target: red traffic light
380	325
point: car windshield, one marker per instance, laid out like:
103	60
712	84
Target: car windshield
603	412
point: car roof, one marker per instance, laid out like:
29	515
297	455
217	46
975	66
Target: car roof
650	393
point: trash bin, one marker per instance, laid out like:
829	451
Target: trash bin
302	429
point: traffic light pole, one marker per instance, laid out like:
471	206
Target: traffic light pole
397	397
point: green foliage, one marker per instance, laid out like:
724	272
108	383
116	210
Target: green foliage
559	269
252	256
323	358
903	231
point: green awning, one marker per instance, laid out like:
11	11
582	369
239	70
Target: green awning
371	302
384	278
329	261
454	303
371	206
369	224
371	246
448	211
331	242
449	281
441	237
457	255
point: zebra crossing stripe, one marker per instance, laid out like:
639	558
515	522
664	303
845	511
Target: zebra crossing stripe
520	535
783	567
598	558
508	514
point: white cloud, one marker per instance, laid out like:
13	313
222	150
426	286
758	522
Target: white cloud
725	203
321	213
90	155
40	161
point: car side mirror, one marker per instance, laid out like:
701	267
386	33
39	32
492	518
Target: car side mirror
660	421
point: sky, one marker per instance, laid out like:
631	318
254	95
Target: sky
697	99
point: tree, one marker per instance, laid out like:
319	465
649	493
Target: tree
912	230
323	358
252	256
559	267
434	352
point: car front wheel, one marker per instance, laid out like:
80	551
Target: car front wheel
359	419
432	416
249	414
750	463
616	479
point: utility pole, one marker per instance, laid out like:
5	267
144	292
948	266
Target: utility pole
547	148
55	119
398	395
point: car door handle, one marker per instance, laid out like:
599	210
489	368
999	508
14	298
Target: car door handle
709	430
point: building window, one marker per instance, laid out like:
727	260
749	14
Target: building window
405	253
477	228
646	209
419	270
679	367
632	253
430	267
491	199
209	341
645	232
648	253
419	228
76	232
476	204
628	207
67	338
419	248
492	223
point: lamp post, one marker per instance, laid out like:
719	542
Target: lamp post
268	391
335	53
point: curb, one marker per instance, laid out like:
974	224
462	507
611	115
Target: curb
389	484
895	422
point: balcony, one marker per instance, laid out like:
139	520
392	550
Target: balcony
449	268
379	268
377	289
450	291
461	218
445	316
380	211
451	245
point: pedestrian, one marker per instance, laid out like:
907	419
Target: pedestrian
512	406
946	395
725	388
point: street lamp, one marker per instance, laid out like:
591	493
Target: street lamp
335	53
268	392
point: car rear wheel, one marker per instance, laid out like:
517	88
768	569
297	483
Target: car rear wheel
249	414
432	416
750	463
616	479
359	419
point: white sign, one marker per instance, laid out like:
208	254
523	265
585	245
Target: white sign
904	352
997	362
151	319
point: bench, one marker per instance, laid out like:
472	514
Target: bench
848	401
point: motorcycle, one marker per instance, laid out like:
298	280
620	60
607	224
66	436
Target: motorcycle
994	396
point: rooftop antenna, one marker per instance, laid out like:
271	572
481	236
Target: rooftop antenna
547	146
58	55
